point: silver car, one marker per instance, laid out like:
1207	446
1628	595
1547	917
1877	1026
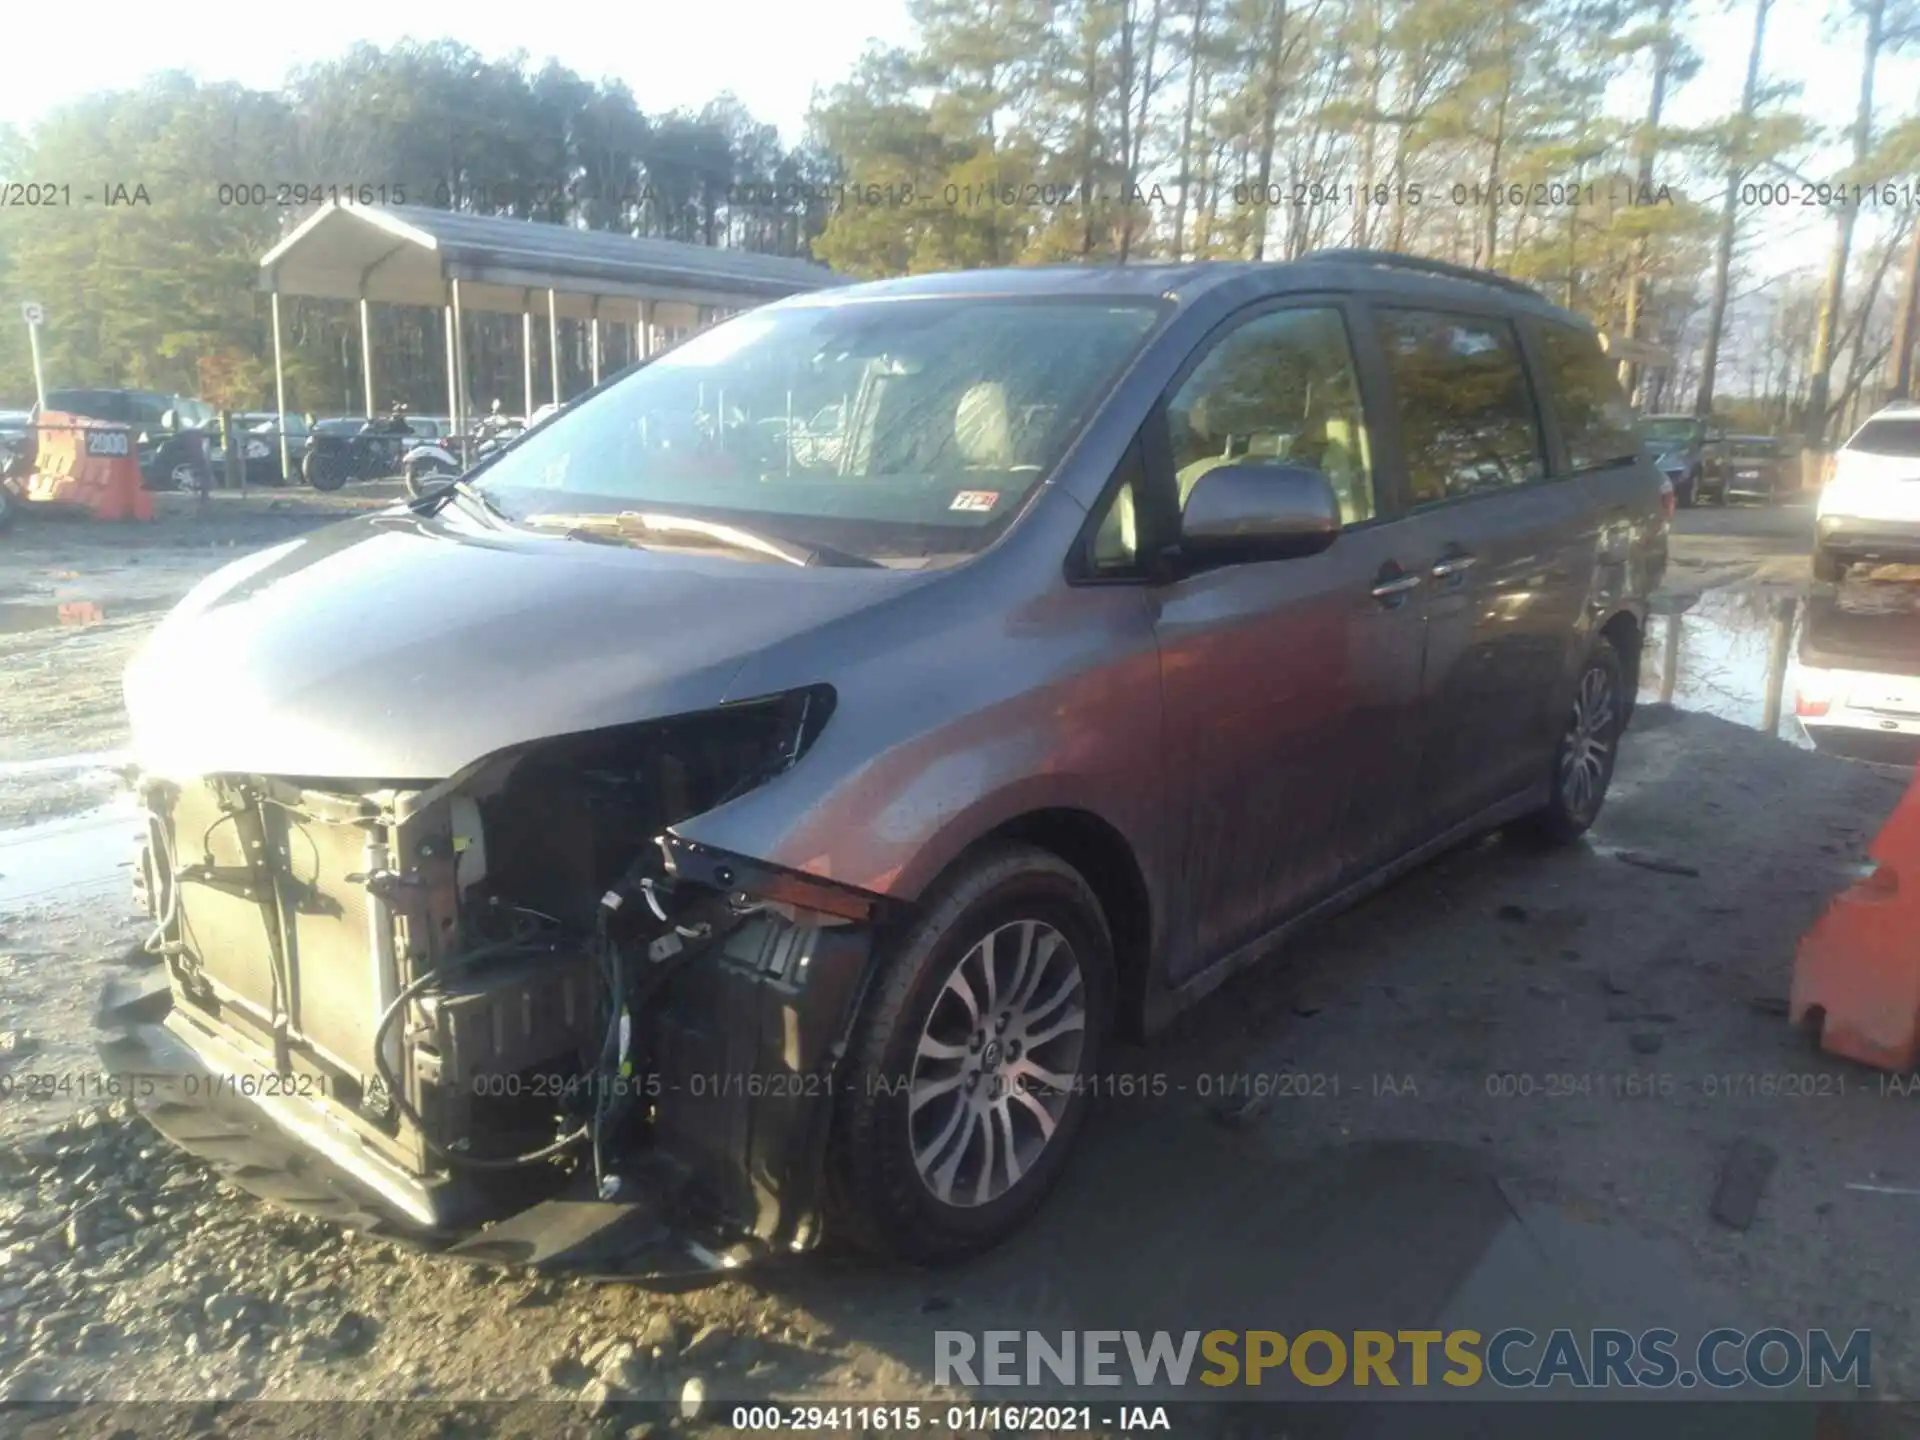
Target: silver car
760	838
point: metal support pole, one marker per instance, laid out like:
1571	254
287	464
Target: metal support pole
646	327
1779	652
526	355
453	377
596	339
1670	670
39	375
280	390
553	342
460	373
366	353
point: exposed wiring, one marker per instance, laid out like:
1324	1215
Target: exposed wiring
160	850
391	1081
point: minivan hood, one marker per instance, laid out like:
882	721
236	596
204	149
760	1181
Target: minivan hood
397	646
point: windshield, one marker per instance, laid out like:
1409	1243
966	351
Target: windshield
1676	429
1897	437
1751	448
905	430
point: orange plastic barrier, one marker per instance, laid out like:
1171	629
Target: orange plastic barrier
1860	963
89	464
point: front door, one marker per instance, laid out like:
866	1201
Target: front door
1290	684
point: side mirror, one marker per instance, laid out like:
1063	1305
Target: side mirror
170	421
1258	512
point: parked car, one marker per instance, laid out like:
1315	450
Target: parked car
1869	508
261	448
1859	686
1758	468
171	433
812	828
1692	454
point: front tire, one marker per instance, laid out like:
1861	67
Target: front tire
967	1079
324	472
1584	758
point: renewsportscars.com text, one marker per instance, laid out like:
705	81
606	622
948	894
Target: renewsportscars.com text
1601	1359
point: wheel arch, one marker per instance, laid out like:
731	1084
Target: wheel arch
1104	858
1626	632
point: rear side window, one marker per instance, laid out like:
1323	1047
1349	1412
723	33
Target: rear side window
1594	418
1466	415
1891	435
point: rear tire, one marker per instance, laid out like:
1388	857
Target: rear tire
6	506
1583	760
1828	566
918	1165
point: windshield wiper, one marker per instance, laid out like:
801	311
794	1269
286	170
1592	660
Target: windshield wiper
626	522
435	500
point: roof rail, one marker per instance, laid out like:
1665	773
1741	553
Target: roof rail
1394	260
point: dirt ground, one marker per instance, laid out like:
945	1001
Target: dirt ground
1560	1048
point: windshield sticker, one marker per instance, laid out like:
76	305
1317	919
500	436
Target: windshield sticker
977	501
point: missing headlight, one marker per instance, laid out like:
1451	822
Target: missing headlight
566	817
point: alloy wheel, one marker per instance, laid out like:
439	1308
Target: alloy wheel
997	1063
1587	750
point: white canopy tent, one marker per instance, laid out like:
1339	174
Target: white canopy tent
414	255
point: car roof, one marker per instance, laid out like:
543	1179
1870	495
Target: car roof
1356	271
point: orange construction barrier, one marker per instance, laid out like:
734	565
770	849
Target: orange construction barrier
1859	966
87	464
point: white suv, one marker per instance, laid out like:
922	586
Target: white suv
1870	509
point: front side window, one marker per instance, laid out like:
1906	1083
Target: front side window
1594	417
909	430
1466	415
1277	390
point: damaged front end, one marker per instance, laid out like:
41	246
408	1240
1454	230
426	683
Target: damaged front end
511	1010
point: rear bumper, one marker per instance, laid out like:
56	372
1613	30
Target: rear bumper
1891	540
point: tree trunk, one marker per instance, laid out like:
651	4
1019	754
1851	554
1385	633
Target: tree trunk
1834	295
1089	135
1730	216
1186	129
1906	323
1370	136
1647	146
1269	126
1487	245
1137	130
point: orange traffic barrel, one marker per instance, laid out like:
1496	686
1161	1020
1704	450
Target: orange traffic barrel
87	464
1857	974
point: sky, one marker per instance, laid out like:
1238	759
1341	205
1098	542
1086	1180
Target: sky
774	55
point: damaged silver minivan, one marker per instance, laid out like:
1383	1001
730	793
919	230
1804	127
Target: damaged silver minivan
742	810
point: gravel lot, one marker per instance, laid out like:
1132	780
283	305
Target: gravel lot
1440	1012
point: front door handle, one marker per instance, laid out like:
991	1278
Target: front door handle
1453	565
1399	585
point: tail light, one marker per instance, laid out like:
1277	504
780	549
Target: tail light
1669	501
1811	702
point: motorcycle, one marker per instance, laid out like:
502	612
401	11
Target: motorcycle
373	452
436	460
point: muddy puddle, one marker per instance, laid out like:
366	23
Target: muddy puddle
1837	671
73	857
